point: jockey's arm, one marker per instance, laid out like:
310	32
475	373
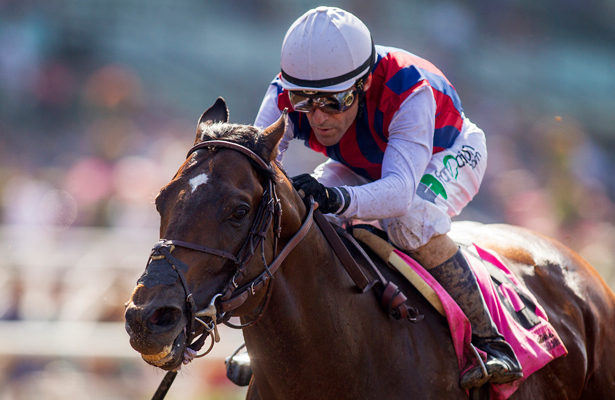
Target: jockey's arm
408	152
409	149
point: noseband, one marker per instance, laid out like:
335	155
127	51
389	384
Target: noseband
233	296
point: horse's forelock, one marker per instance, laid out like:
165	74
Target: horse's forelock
245	135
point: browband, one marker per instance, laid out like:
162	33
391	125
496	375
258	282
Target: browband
230	145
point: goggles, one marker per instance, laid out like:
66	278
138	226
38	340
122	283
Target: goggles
333	103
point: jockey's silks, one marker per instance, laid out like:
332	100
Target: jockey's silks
395	76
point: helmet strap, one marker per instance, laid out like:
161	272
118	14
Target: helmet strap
361	92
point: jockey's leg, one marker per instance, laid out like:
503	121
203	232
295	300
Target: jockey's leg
443	259
450	181
457	278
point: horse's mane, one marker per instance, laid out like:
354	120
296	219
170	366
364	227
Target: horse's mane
245	135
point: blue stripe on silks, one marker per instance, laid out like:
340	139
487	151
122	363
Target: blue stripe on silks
379	124
445	136
378	57
304	132
366	142
404	79
439	83
409	76
334	153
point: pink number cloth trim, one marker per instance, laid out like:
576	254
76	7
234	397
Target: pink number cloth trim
534	348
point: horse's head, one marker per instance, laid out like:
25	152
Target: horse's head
219	218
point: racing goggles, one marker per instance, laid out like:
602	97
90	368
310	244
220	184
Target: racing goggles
333	103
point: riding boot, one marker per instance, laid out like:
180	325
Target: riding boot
457	278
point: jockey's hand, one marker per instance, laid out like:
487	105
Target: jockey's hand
330	200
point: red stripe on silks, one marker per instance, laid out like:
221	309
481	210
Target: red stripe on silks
392	64
351	154
316	145
446	113
448	118
284	102
437	149
378	80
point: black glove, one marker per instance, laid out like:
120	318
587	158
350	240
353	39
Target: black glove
329	200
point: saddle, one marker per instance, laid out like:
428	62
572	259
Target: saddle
519	317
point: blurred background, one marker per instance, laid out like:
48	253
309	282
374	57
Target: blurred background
99	101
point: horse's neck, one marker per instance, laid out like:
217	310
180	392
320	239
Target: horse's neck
309	286
318	328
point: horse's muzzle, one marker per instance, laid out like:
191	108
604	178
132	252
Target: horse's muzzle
154	331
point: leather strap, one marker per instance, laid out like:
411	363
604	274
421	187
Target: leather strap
342	253
202	249
392	300
230	145
240	295
165	385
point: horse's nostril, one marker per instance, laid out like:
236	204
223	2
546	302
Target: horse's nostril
165	316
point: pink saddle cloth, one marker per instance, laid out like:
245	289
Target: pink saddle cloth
534	341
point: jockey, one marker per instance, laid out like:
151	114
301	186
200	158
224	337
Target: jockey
400	148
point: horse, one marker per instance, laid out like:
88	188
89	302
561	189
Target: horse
309	332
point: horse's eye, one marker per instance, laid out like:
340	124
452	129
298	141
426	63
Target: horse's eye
239	214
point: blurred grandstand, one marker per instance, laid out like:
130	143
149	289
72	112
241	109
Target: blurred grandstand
99	102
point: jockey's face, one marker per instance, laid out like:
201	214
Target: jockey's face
329	128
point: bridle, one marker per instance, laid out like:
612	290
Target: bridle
268	216
232	295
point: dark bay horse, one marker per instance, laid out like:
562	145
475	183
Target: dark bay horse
316	336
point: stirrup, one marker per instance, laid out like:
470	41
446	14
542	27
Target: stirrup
238	368
502	363
476	376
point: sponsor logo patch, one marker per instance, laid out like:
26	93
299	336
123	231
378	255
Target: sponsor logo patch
431	186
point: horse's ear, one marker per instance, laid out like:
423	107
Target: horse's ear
271	136
216	113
